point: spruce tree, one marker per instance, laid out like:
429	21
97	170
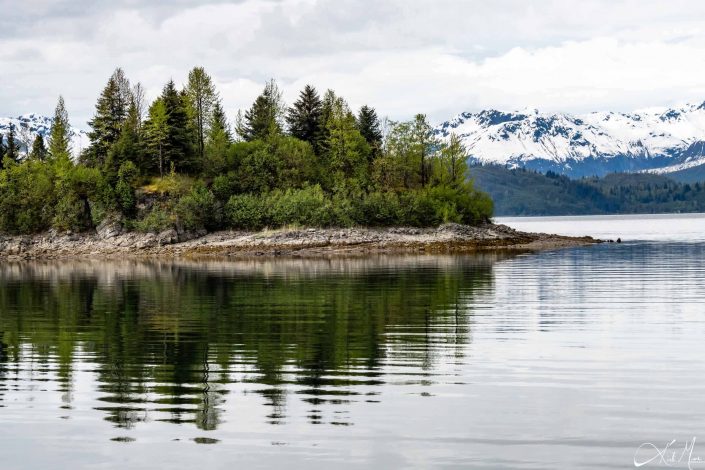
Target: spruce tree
39	151
129	146
3	150
264	118
202	98
218	142
304	117
12	152
177	141
369	126
60	134
110	115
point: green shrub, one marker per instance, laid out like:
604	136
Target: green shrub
198	210
246	211
156	220
381	209
305	206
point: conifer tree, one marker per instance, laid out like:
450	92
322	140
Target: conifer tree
110	115
347	149
369	126
12	151
264	117
3	150
202	98
218	142
304	117
39	150
156	134
129	146
177	147
60	134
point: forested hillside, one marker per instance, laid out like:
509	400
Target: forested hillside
178	163
525	192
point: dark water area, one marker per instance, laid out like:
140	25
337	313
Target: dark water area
562	359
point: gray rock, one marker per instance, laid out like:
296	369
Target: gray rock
167	237
109	229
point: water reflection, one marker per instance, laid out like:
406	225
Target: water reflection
183	342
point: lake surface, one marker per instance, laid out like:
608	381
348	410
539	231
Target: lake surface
562	359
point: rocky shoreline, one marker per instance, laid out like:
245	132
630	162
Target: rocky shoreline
110	241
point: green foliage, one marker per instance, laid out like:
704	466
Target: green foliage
60	135
304	118
156	220
39	150
198	210
12	151
305	206
110	115
247	211
369	126
27	197
332	169
264	118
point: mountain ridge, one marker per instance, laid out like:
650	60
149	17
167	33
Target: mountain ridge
665	141
28	126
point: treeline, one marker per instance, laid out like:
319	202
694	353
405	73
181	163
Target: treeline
526	192
177	163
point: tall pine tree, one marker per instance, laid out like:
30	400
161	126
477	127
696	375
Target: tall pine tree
425	143
60	134
369	126
110	115
12	151
304	117
39	151
218	142
264	118
202	98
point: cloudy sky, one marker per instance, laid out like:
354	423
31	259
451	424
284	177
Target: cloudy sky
440	57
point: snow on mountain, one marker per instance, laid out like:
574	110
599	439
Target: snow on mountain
28	126
587	144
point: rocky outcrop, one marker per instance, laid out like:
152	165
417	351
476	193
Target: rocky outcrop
111	241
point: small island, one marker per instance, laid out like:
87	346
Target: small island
172	178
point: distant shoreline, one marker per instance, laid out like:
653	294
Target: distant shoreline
111	242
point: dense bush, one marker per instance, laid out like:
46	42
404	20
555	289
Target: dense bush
198	210
157	219
246	211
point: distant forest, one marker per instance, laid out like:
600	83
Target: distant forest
177	163
526	192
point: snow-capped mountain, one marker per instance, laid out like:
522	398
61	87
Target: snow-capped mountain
664	141
28	126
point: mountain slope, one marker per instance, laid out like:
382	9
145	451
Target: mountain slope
28	126
667	141
524	192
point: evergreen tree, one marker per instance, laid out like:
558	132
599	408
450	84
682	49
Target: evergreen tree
218	141
129	146
156	134
369	126
60	135
202	98
347	149
39	150
12	151
264	117
3	150
304	117
110	115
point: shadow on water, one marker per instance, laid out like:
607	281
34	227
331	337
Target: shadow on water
180	341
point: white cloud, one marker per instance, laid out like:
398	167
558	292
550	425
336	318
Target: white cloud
401	56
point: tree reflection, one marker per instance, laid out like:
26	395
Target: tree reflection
169	339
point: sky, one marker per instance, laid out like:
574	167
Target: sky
403	57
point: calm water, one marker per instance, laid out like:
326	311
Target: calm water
565	359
